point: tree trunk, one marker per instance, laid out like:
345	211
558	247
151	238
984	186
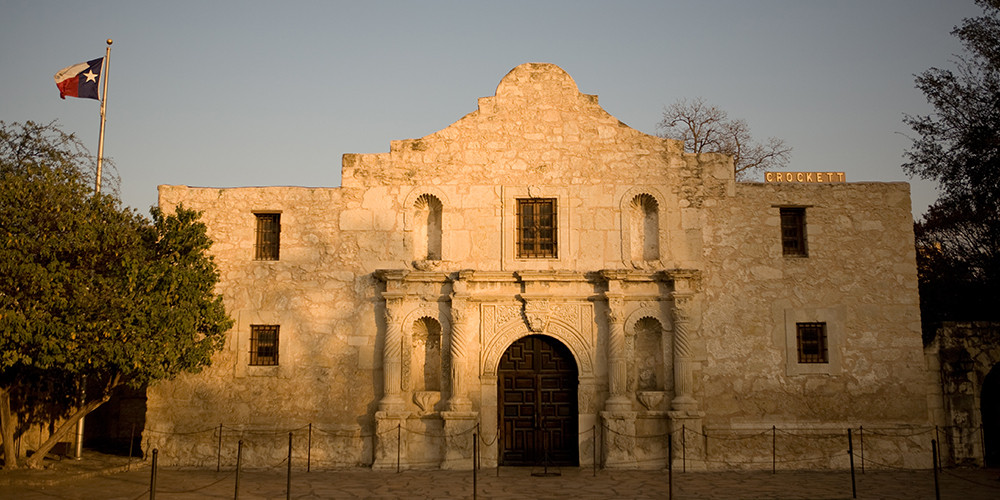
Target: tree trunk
7	426
35	460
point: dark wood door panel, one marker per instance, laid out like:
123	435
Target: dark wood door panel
537	394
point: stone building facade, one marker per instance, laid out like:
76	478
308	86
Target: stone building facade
967	355
562	285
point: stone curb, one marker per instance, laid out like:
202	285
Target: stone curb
64	476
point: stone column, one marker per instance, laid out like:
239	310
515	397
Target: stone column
686	420
392	362
683	378
460	345
618	433
617	376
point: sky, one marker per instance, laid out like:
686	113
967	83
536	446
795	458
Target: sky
260	93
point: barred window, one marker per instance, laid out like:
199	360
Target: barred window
268	236
263	345
793	231
811	340
536	228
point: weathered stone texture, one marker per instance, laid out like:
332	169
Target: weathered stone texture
966	353
669	289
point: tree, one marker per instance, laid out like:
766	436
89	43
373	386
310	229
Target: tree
705	128
958	146
90	292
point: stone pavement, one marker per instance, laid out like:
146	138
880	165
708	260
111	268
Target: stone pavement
73	481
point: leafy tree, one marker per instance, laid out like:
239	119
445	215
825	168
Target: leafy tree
89	290
705	128
958	146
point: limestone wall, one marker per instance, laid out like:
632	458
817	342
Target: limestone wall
859	278
320	296
669	277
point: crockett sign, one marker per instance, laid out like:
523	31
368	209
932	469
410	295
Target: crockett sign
804	177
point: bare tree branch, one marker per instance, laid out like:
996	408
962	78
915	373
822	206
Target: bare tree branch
705	128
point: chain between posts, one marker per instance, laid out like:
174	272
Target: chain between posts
743	454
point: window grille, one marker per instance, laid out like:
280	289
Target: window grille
793	231
811	339
263	345
536	228
268	236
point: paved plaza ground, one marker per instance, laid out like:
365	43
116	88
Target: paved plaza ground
103	480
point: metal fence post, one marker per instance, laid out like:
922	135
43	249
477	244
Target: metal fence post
239	466
152	476
774	449
850	452
934	451
309	449
475	453
670	466
937	435
218	463
288	484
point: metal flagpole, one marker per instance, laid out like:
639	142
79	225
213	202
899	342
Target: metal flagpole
78	452
105	67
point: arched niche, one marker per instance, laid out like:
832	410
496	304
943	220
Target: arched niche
420	323
425	224
643	228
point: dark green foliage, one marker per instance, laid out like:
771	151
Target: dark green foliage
89	288
958	145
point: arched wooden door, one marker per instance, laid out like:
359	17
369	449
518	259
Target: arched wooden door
537	391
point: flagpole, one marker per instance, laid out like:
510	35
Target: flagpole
105	65
105	71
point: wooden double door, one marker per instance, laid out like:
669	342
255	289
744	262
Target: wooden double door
538	403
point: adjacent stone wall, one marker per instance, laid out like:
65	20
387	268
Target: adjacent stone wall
967	353
319	294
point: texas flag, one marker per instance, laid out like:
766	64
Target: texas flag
80	80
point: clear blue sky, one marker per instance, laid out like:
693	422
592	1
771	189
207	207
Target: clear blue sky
273	93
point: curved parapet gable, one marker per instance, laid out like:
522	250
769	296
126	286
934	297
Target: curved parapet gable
537	129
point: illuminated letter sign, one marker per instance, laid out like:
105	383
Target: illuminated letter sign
805	177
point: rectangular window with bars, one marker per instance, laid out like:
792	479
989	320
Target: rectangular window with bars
536	228
811	340
268	236
263	345
793	231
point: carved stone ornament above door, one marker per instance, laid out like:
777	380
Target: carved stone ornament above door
536	313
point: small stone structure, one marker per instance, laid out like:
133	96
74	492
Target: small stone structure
400	301
967	354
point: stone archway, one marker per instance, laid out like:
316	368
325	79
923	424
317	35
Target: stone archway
537	381
989	406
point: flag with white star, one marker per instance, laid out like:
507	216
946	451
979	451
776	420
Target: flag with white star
80	80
